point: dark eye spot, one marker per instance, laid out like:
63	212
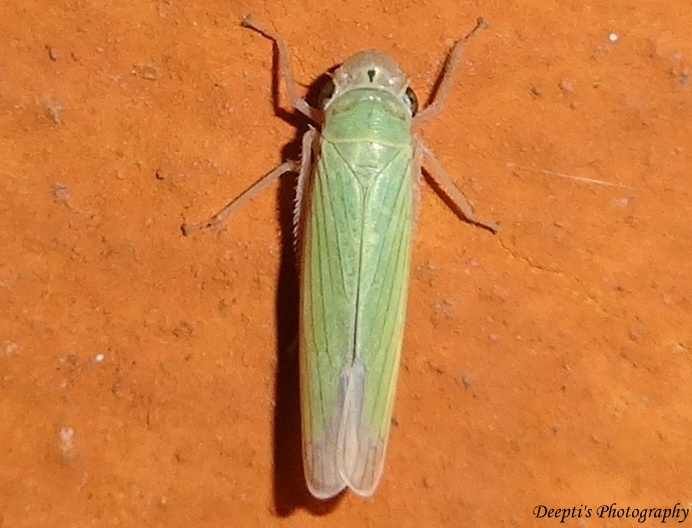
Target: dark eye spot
371	75
412	101
326	93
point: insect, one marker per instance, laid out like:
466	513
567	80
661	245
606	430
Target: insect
358	179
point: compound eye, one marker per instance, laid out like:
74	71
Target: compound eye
326	93
412	101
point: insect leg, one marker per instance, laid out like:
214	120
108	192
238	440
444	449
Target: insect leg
418	175
298	103
301	187
439	175
448	71
302	167
287	166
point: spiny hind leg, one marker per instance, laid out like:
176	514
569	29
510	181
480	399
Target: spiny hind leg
303	179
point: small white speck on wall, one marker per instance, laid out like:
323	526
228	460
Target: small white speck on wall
9	348
613	37
66	439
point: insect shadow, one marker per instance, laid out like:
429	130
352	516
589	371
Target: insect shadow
290	489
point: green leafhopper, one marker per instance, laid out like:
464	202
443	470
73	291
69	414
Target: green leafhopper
358	180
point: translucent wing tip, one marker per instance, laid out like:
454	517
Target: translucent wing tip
364	471
360	450
322	476
349	454
325	491
358	469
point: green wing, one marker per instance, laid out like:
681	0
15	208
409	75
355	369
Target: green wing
355	264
